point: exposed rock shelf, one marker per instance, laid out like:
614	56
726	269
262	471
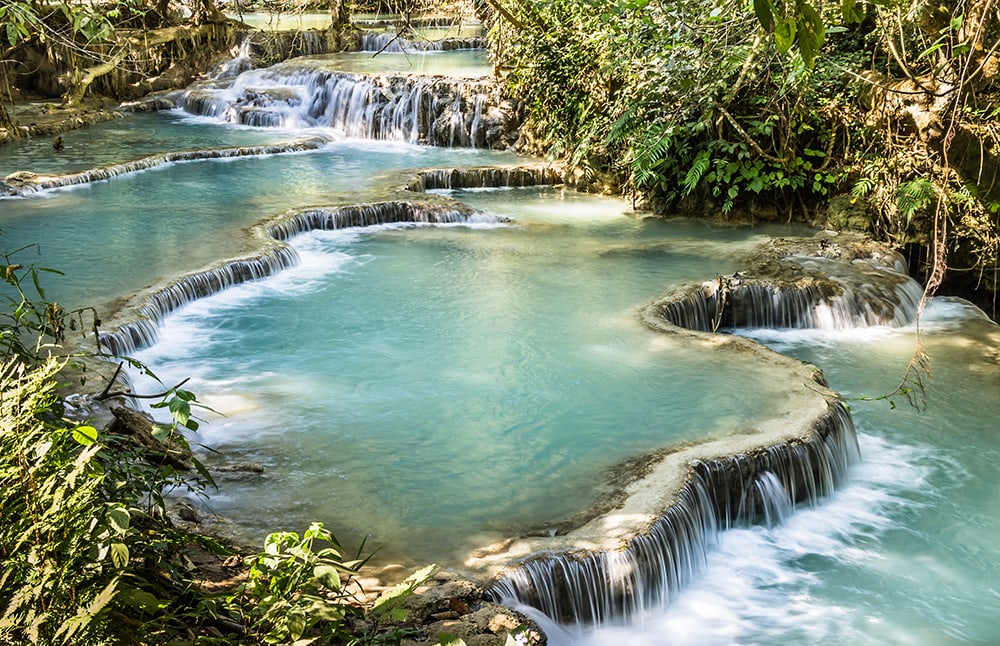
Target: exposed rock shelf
22	183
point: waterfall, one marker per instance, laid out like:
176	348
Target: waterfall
142	332
486	177
649	571
416	22
239	63
823	295
394	43
19	184
414	109
364	215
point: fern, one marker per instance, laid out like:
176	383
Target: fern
864	187
913	196
645	166
696	172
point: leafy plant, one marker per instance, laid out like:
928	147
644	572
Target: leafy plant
63	548
303	588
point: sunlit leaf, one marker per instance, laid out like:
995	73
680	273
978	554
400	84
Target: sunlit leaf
328	575
85	435
784	35
119	519
119	554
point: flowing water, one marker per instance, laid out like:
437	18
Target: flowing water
443	386
907	552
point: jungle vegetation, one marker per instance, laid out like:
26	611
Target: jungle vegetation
886	110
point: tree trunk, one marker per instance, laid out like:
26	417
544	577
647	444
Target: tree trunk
338	14
206	12
6	122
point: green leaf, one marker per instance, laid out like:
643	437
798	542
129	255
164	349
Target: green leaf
203	472
180	409
328	575
813	23
119	519
119	555
765	16
850	12
85	435
161	432
697	170
784	35
140	599
811	34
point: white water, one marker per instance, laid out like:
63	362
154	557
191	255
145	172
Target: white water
903	555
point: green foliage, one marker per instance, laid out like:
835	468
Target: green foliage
303	589
914	195
63	548
22	21
685	100
27	322
799	25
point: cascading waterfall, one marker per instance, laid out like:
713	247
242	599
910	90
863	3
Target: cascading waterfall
648	572
416	22
395	43
364	215
19	184
239	63
486	177
831	301
414	109
143	331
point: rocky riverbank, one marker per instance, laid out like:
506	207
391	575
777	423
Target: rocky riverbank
48	118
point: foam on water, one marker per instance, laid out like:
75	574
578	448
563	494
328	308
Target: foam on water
762	585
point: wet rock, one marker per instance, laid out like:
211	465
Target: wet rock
846	212
243	468
487	626
148	104
452	604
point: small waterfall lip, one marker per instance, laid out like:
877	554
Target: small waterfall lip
378	42
413	21
802	287
484	178
22	183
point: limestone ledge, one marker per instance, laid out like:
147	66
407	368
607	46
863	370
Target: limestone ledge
644	500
